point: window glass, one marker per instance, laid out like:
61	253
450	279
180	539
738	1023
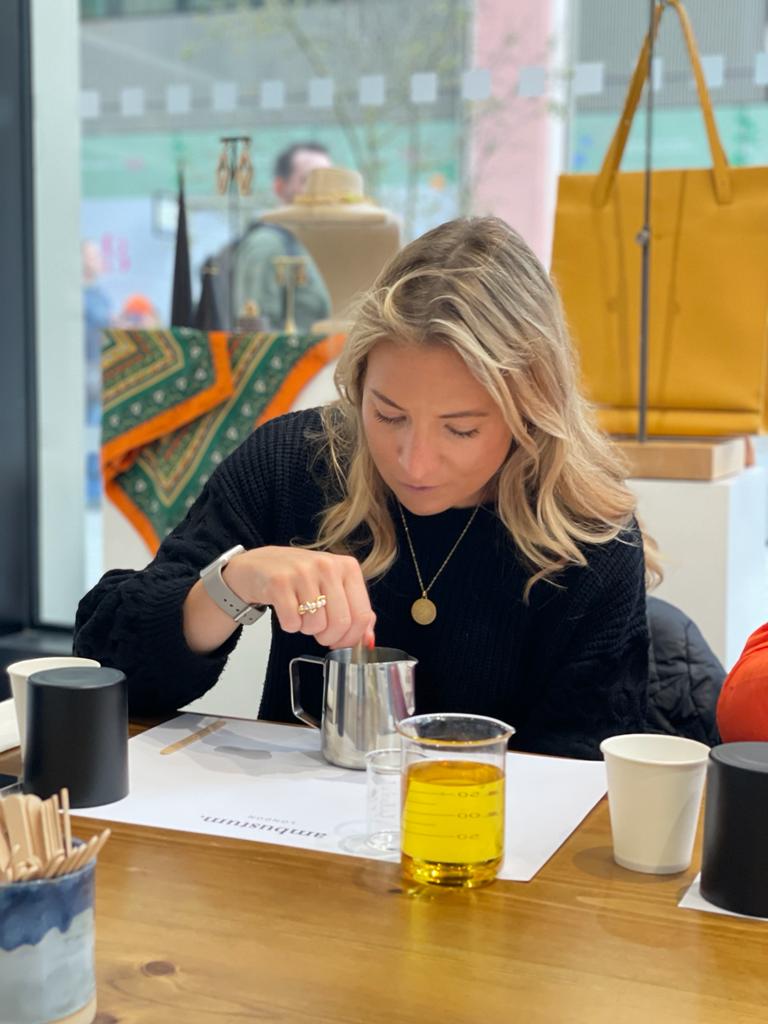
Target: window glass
445	107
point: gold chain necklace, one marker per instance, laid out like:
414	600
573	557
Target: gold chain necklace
423	610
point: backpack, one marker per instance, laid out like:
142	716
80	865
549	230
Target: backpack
214	312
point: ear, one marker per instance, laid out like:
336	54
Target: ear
278	187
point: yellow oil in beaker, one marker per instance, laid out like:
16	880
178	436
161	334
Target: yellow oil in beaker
452	822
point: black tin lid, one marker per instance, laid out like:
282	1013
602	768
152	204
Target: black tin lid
749	757
77	734
77	677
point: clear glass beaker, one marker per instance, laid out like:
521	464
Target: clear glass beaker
382	769
452	827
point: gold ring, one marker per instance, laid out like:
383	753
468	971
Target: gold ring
310	607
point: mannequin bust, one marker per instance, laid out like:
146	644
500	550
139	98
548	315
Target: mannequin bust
347	235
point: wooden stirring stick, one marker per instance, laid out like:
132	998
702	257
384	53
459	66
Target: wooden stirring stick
66	866
48	839
36	839
5	851
10	870
83	854
56	823
67	822
94	846
34	809
54	826
18	828
102	840
54	866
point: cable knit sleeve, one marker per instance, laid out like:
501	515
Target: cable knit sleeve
132	620
591	679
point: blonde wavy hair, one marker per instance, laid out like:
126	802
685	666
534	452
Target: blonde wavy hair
475	286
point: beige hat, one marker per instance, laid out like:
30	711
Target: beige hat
348	236
330	194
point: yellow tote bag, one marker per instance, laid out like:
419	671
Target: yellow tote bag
708	311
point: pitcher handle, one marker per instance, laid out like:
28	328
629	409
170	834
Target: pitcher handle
298	710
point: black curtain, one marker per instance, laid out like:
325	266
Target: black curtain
18	451
181	300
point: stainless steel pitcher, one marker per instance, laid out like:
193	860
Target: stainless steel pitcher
362	701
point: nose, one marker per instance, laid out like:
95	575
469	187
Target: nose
417	456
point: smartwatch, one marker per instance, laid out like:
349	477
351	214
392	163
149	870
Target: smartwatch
224	596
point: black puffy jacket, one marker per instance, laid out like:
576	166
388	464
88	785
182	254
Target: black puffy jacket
685	676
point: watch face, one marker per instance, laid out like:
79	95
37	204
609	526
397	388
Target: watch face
222	560
238	549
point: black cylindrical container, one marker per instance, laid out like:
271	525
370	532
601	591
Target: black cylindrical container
77	735
735	853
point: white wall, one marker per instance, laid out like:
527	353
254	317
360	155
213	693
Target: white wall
711	535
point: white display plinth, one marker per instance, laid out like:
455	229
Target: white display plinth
711	535
760	449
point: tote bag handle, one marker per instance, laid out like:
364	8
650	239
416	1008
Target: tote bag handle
721	174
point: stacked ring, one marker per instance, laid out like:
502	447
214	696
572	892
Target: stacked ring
310	607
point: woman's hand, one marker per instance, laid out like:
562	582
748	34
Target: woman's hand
286	578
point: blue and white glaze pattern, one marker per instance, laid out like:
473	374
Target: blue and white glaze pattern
46	948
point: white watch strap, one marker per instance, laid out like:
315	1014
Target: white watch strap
224	596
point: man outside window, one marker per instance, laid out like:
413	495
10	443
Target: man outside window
255	278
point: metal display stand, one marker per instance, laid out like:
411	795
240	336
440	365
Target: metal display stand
234	176
644	239
667	458
695	498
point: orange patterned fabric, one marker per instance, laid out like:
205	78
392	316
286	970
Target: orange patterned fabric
177	403
136	363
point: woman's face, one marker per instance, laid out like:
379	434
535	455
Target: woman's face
433	431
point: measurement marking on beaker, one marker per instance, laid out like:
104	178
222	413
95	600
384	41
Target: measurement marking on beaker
442	835
438	814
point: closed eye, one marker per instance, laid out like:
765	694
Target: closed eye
388	419
395	421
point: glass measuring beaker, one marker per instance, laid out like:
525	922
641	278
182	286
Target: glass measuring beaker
452	827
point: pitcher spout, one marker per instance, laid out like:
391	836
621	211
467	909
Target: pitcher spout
402	689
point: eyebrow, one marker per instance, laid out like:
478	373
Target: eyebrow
444	416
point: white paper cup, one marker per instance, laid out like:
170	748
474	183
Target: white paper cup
655	784
20	672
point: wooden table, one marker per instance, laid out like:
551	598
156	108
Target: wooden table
199	929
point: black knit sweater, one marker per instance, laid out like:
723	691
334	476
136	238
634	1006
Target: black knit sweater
566	669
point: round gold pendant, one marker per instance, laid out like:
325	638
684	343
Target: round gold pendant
423	611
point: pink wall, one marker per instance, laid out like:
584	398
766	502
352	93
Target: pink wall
510	147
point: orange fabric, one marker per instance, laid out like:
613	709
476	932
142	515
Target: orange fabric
742	710
305	369
134	515
119	454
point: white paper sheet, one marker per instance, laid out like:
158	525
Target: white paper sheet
9	729
270	783
693	900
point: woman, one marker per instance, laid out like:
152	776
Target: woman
456	501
